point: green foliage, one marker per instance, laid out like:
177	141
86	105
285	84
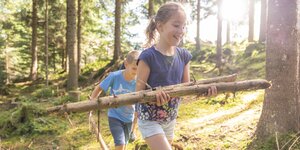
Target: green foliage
252	58
92	67
206	55
14	31
27	120
96	40
63	100
79	136
44	92
49	125
246	60
101	71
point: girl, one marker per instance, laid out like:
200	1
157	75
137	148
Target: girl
160	65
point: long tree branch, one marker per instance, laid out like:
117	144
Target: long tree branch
149	95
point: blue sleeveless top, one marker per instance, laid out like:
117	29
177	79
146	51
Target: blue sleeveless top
164	70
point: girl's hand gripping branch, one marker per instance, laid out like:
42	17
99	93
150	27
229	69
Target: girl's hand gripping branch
212	91
162	98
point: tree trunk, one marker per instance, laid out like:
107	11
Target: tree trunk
79	34
280	112
150	95
228	32
198	44
263	21
71	34
46	41
34	58
7	64
251	21
219	38
117	46
53	59
150	9
64	58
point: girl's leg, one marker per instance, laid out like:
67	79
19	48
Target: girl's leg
120	147
158	142
157	136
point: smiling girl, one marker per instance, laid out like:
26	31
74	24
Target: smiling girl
162	64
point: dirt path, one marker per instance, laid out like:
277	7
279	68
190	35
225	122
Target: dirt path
225	129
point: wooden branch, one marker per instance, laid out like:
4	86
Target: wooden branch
94	130
229	78
70	121
149	95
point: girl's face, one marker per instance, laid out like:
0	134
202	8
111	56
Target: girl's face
173	30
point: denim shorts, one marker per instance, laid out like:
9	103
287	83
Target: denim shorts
120	130
149	128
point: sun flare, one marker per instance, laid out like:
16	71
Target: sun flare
234	10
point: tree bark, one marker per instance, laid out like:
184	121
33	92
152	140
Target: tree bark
150	95
79	34
280	111
198	43
7	63
219	38
46	41
117	45
228	40
71	40
251	21
34	58
263	21
150	9
229	78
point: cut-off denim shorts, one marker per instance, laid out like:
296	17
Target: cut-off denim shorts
120	130
149	128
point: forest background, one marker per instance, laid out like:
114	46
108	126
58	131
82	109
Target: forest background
55	52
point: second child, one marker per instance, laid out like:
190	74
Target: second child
120	119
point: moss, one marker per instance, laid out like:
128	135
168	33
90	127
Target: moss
285	141
44	92
28	120
63	100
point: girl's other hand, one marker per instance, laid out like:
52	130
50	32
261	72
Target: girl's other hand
162	98
212	91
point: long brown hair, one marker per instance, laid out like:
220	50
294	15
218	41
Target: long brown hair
164	13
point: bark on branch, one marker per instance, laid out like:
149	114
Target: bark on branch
149	95
94	129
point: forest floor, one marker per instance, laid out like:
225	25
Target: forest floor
227	121
210	124
201	125
224	127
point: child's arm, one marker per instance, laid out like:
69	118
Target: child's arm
143	72
186	73
97	90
